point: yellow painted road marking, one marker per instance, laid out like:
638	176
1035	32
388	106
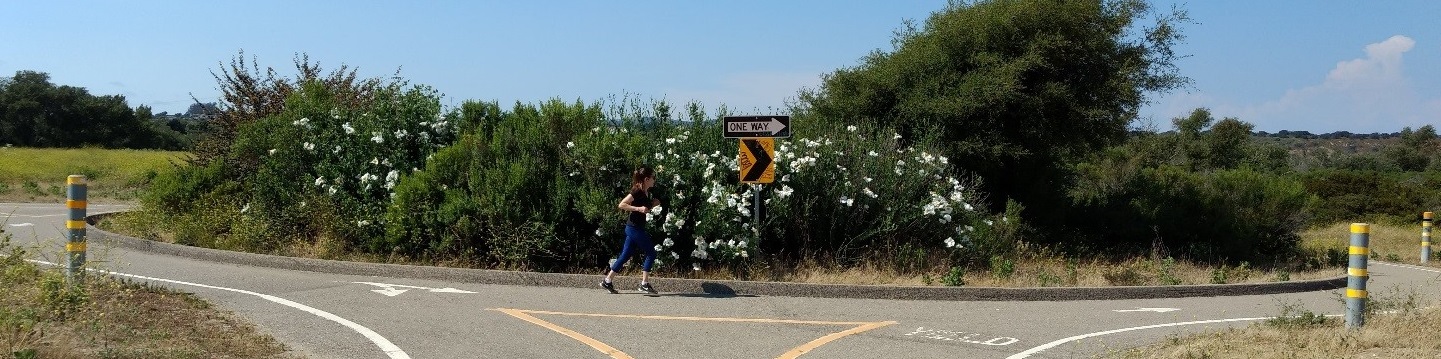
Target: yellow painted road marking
614	353
807	347
608	350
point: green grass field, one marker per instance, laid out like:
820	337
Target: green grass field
38	174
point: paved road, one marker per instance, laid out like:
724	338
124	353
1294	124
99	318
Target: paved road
325	315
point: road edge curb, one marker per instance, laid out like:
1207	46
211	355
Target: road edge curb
708	288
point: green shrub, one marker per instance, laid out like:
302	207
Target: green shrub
61	299
1283	275
1294	317
1166	272
176	191
1002	268
1047	279
910	259
1072	274
1218	215
1348	195
954	277
354	154
1218	275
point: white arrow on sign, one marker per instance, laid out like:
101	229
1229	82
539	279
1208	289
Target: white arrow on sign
1157	310
773	126
391	289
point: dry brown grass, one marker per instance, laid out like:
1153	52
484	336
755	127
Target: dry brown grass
108	318
1399	327
1050	272
1388	242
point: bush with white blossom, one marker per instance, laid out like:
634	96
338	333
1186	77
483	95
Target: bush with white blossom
345	157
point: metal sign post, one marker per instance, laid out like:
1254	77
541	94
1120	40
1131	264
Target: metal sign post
757	154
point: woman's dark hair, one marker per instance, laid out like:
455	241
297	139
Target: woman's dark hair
637	178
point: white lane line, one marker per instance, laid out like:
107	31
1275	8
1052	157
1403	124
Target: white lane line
1043	347
1420	268
23	225
390	349
39	216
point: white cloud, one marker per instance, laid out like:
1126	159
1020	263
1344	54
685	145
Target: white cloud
1382	64
1368	94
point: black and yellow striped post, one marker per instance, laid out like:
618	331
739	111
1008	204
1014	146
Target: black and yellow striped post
1426	237
75	224
1356	275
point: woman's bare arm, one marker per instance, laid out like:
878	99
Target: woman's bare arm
625	205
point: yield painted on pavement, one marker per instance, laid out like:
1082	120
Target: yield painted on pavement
526	315
960	336
391	290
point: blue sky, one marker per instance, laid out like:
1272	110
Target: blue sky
1317	66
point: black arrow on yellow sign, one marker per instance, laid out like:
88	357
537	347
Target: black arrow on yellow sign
762	160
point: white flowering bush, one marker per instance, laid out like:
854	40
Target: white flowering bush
536	187
559	170
845	194
319	156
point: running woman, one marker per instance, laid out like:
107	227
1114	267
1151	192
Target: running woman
637	204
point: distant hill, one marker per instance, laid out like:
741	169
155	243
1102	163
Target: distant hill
1349	145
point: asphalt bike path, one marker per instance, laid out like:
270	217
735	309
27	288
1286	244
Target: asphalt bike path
324	315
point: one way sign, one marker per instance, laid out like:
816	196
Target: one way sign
757	126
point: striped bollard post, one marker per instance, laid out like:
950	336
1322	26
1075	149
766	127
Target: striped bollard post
75	224
1426	237
1356	276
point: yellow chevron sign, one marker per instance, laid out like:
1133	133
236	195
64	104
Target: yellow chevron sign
757	160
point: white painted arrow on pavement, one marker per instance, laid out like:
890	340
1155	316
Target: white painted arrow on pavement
389	292
390	289
1157	310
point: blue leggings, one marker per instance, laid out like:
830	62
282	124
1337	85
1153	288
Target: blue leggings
635	239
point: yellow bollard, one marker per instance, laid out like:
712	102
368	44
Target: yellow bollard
1426	237
75	239
1356	275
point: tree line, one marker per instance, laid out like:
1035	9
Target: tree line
37	113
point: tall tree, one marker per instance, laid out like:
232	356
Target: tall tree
249	94
37	113
1012	88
